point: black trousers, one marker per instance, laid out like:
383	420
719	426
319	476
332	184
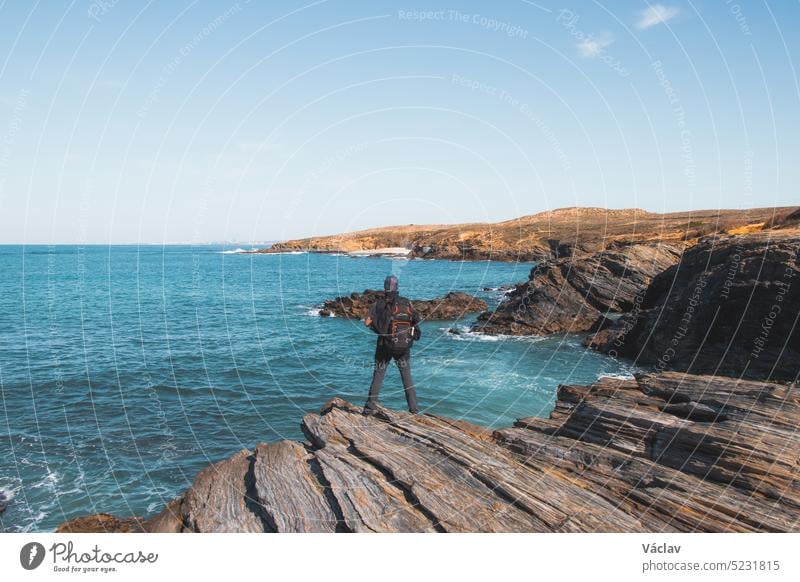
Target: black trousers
403	360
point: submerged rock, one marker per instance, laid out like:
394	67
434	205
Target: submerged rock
573	294
4	500
653	454
454	305
731	306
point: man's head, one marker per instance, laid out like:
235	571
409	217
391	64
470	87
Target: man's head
390	284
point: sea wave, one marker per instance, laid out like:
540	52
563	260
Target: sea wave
9	493
463	333
253	251
50	481
618	375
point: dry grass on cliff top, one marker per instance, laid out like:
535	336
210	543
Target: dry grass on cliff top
577	225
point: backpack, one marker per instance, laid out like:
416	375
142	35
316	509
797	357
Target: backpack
397	325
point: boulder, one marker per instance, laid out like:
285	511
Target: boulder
454	305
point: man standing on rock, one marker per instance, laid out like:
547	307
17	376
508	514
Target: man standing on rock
396	322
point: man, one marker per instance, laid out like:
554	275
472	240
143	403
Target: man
396	322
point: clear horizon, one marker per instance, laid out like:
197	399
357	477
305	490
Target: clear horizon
193	122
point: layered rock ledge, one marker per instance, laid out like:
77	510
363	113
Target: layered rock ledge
454	305
576	294
653	454
731	306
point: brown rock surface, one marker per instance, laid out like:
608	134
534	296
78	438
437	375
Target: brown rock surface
575	294
668	453
454	305
103	523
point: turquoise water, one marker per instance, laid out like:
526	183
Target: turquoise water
125	370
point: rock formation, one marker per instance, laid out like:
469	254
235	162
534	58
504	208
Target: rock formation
575	294
655	454
730	307
103	523
3	501
454	305
548	235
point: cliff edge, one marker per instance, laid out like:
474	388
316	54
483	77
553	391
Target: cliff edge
664	453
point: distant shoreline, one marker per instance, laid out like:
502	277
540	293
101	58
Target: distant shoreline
548	235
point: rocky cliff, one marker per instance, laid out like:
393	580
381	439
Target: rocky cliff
575	294
731	306
547	235
454	305
668	453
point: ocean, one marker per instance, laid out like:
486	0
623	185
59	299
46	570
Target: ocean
125	370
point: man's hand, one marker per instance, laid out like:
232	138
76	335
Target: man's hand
368	321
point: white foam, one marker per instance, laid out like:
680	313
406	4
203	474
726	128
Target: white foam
387	251
315	311
617	375
466	334
34	523
255	252
50	481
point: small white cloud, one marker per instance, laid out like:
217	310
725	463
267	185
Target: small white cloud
593	46
656	14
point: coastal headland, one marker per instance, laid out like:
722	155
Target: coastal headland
705	438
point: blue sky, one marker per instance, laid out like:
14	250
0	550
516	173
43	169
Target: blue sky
130	122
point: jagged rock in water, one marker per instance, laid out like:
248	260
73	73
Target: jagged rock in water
731	307
454	305
574	294
653	454
4	499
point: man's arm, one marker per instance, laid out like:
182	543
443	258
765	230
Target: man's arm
372	317
415	319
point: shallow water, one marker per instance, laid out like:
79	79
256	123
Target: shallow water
125	370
